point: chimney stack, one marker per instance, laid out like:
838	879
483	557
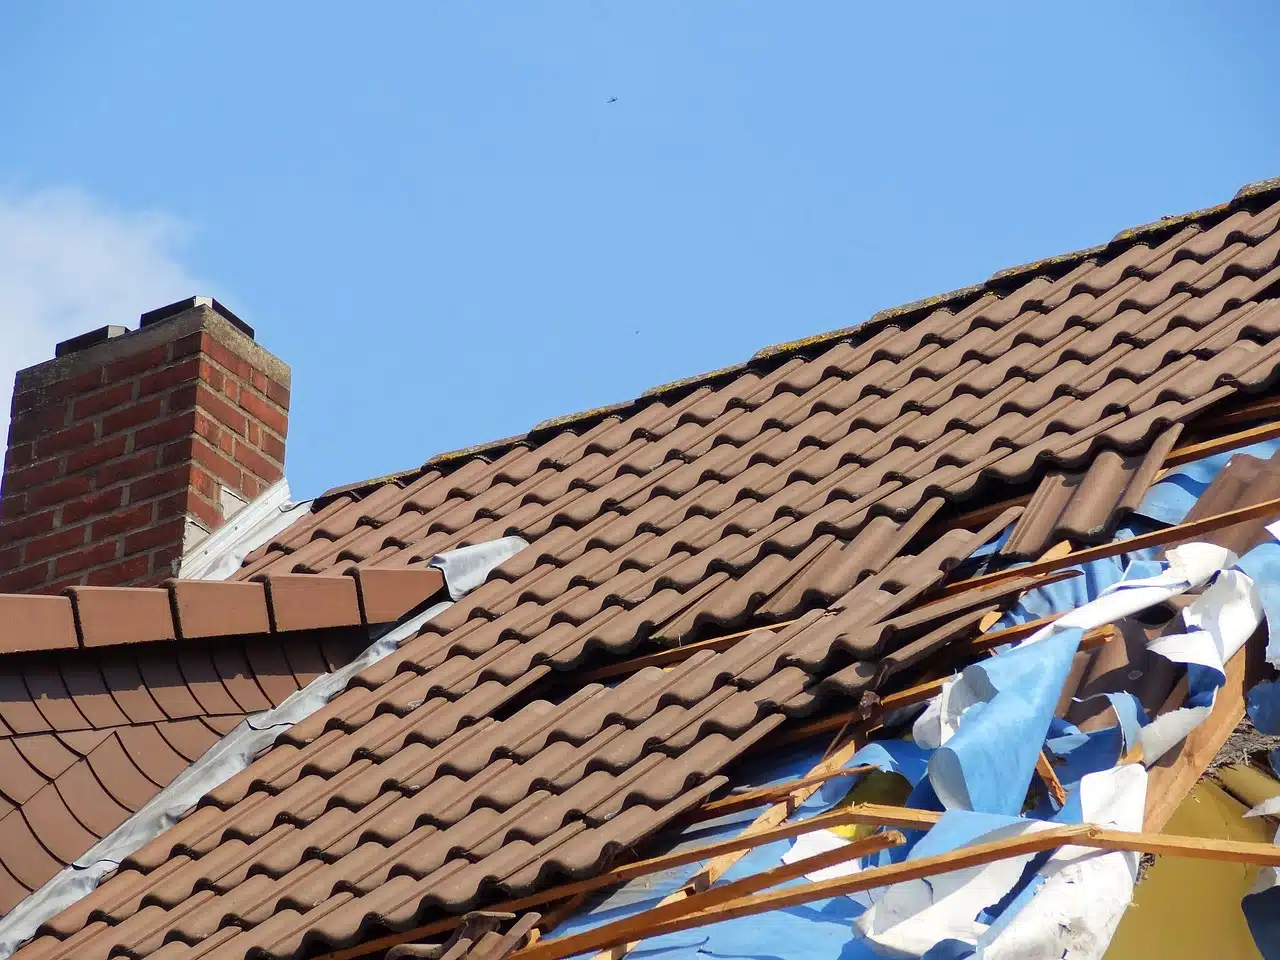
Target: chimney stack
129	447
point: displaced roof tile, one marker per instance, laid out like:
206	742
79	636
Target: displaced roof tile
388	593
304	602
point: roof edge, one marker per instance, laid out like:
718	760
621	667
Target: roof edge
1256	192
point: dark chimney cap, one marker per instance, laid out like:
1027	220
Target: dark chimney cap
173	309
76	344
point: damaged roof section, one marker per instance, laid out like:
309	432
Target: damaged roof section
813	494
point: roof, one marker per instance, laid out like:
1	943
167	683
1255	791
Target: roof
821	492
108	693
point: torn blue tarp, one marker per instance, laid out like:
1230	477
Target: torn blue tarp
1008	702
1171	499
1262	564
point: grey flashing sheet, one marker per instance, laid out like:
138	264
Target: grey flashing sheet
464	569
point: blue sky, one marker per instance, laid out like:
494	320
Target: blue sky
433	214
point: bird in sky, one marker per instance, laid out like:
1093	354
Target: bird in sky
612	100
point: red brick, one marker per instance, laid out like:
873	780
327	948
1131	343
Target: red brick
55	543
169	377
216	464
162	535
138	363
157	483
185	346
278	394
36	423
182	398
131	416
20	528
10	558
252	487
204	511
99	553
208	428
60	491
131	518
103	400
65	440
165	562
252	460
227	359
57	586
264	412
120	574
177	452
272	446
73	386
202	483
219	409
28	578
100	452
103	502
215	378
27	400
18	456
258	380
231	390
15	480
12	504
125	469
177	426
174	506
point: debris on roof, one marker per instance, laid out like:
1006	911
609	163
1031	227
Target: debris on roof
1008	546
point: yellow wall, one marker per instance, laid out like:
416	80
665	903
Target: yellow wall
1190	909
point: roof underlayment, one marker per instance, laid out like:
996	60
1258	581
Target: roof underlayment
728	572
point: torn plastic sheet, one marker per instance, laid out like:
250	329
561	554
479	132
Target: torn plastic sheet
1262	564
1094	578
463	570
1073	913
1000	710
1219	622
907	919
998	910
899	757
1263	706
989	725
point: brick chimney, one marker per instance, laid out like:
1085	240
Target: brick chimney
130	447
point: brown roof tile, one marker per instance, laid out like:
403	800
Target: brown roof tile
108	616
1085	505
94	734
306	603
812	483
36	623
209	608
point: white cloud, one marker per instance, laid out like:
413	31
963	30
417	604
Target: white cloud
69	264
